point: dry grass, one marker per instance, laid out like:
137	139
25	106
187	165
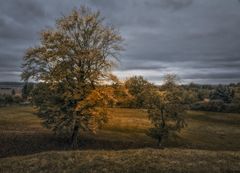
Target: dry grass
21	133
215	131
134	161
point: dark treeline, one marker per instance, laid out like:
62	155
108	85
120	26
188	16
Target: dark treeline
22	97
203	97
216	98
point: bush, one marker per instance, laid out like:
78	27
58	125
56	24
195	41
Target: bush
17	99
216	106
233	108
6	100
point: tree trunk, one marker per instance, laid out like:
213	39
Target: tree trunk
162	116
160	138
159	141
74	138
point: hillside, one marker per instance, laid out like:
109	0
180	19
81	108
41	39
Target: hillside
210	143
134	161
21	132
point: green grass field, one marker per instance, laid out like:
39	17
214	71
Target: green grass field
211	141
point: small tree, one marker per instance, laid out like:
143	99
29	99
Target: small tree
166	109
72	62
122	96
2	101
27	89
138	87
13	92
8	99
224	93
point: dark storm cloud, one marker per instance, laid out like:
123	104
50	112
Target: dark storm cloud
231	75
173	4
197	39
139	65
19	18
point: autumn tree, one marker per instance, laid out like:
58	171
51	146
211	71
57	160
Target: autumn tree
72	62
121	94
138	87
166	109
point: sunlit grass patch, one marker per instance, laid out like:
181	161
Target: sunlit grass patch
21	132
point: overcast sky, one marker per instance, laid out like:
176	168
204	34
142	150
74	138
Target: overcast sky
197	39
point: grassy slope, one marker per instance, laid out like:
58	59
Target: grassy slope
141	160
21	133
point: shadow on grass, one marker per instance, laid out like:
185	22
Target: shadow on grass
15	144
24	144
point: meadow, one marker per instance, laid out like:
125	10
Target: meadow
210	142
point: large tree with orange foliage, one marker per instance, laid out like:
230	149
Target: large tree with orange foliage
73	62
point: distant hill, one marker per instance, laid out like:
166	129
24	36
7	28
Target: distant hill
8	87
12	84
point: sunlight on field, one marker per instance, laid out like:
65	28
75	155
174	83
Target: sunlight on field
212	130
128	120
19	119
21	132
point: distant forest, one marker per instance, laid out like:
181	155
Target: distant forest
203	97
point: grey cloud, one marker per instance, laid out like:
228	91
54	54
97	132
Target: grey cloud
182	36
21	19
172	4
211	75
9	77
140	65
24	11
